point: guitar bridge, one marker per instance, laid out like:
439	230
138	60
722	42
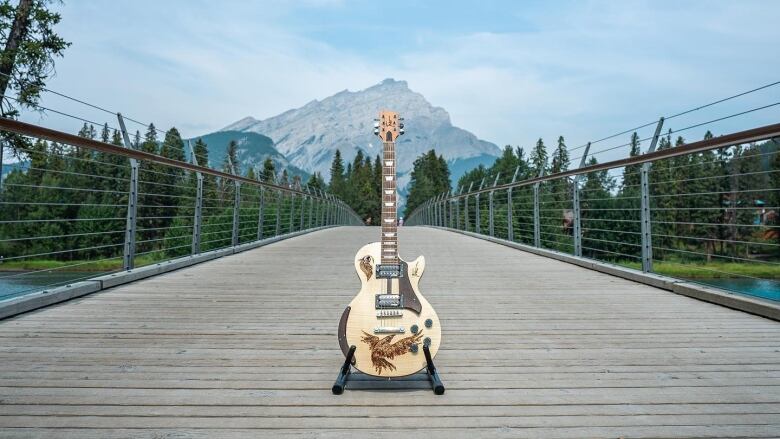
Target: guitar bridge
389	330
389	313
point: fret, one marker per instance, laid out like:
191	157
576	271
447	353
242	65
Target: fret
389	241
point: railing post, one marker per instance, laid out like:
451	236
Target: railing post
292	210
576	202
457	210
434	211
321	209
261	214
2	149
466	208
303	208
491	223
510	227
311	208
236	203
646	218
537	234
279	200
198	218
478	220
128	255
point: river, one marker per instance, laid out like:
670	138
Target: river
14	284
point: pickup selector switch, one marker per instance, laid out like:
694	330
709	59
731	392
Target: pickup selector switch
428	323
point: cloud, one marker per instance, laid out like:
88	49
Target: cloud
581	69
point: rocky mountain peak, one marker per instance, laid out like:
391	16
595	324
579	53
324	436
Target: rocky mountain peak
309	136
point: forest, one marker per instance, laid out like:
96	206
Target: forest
67	206
714	214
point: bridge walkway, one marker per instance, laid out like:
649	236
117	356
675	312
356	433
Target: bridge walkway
245	347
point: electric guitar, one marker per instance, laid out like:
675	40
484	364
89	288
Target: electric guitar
389	321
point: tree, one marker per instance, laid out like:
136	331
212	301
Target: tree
337	182
430	176
269	171
539	158
31	45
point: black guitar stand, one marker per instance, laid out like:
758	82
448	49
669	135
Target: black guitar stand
346	370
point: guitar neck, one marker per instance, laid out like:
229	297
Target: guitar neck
389	208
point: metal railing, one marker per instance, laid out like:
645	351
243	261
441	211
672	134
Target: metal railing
705	211
76	208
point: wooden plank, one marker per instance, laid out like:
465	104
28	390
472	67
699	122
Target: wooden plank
245	347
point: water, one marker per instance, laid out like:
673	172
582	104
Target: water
763	288
13	284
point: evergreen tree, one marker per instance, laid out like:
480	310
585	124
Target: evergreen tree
337	181
539	158
269	171
430	176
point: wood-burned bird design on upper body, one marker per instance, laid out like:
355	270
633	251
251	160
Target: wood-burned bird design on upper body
382	350
365	265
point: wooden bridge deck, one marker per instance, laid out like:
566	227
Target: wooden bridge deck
245	347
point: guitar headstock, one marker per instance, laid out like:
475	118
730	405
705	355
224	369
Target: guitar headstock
388	126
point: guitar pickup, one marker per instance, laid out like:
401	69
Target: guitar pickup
384	301
389	330
389	271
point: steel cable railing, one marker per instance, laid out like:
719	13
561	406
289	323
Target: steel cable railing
706	211
74	208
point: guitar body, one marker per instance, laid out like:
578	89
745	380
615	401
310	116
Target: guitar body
392	354
389	322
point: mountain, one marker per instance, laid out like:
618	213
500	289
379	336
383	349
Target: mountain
309	136
253	149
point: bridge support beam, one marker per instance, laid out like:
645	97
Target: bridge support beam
645	210
128	256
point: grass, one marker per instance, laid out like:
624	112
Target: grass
721	270
80	266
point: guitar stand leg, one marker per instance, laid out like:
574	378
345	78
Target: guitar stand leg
341	381
433	375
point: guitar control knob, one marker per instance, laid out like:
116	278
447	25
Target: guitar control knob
428	323
415	329
413	348
427	341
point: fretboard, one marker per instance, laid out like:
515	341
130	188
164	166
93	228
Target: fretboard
389	208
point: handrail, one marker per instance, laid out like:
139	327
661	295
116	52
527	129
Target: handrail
752	135
40	132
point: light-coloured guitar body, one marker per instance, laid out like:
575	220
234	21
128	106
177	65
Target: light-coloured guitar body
388	354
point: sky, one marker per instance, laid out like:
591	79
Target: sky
508	71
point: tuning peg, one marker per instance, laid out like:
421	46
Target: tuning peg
401	132
376	131
400	118
376	124
401	125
